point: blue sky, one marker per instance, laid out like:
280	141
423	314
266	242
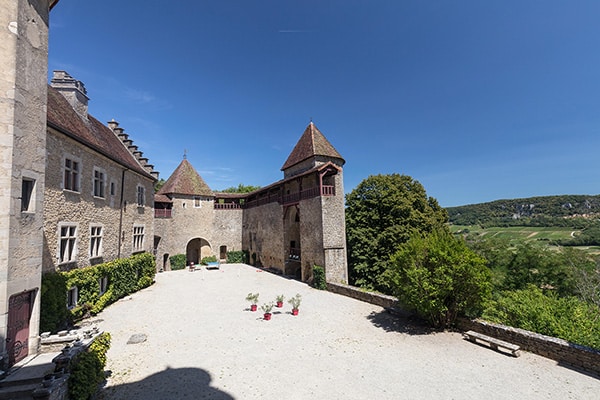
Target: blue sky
477	100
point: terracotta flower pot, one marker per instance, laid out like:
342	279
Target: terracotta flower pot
267	316
280	304
253	307
294	311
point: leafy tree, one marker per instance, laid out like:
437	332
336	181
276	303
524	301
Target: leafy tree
241	188
440	277
382	212
159	183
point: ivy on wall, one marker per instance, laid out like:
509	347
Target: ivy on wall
97	287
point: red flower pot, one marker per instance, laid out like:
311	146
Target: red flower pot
280	304
294	311
267	316
253	307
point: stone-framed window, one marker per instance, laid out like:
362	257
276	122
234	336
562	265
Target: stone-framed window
27	195
67	242
113	188
96	232
72	173
99	182
197	202
141	196
72	297
138	238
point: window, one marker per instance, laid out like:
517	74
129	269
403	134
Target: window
197	202
71	176
67	242
138	238
99	178
103	284
141	196
27	186
112	189
95	241
72	297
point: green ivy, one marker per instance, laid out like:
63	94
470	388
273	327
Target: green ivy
125	276
239	257
87	369
319	281
177	261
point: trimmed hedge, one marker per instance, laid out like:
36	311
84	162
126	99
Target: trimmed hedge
239	257
319	281
177	261
87	369
125	276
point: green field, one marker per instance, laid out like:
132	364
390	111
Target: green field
524	234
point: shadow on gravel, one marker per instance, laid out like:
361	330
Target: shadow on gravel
401	324
181	383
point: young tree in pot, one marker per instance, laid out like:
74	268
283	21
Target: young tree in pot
280	301
253	299
295	302
267	307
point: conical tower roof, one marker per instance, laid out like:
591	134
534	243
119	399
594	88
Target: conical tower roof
312	143
185	180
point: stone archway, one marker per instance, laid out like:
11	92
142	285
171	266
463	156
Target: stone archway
197	249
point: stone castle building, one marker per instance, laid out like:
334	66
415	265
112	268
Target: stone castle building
75	192
290	225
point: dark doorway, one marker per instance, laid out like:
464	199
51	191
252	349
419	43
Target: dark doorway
19	313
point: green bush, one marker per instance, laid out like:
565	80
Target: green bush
567	318
208	259
124	276
178	261
319	281
240	257
87	369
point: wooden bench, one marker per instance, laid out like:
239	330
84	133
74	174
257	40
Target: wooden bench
492	342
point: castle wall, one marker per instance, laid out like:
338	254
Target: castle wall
84	210
263	235
334	233
24	55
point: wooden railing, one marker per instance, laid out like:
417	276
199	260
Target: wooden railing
162	213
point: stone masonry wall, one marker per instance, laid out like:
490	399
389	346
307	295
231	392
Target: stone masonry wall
334	233
84	210
263	235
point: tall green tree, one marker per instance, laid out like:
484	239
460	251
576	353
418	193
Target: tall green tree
382	212
241	188
440	277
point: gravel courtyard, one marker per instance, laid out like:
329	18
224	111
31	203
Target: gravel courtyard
202	342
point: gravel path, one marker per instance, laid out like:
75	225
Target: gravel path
202	342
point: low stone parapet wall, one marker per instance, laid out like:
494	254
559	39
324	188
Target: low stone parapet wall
565	353
560	350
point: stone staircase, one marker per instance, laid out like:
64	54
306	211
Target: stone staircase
24	378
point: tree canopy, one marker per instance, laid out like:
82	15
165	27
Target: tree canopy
383	212
241	188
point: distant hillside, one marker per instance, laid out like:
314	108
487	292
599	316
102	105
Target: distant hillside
534	211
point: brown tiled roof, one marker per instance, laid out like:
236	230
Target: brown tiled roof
99	137
162	198
312	143
185	180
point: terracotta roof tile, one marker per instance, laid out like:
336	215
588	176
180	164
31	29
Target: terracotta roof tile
312	143
185	180
62	117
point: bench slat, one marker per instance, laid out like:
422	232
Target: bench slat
493	342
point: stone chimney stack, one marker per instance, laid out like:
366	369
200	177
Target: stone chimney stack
73	90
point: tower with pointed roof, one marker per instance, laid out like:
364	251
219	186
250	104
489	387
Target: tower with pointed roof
289	226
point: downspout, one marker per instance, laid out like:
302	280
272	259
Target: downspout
121	211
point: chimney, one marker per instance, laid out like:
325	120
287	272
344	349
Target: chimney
73	90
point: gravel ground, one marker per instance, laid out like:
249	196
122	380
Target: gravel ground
203	342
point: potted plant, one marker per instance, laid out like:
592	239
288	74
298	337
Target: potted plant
280	301
267	307
295	302
253	299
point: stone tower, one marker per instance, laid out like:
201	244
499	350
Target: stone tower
23	95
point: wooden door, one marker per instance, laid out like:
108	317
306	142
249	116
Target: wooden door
19	313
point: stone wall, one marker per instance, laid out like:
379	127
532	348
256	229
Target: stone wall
85	210
556	349
24	55
334	232
263	235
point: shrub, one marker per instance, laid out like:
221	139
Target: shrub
87	369
319	281
177	261
125	276
239	256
